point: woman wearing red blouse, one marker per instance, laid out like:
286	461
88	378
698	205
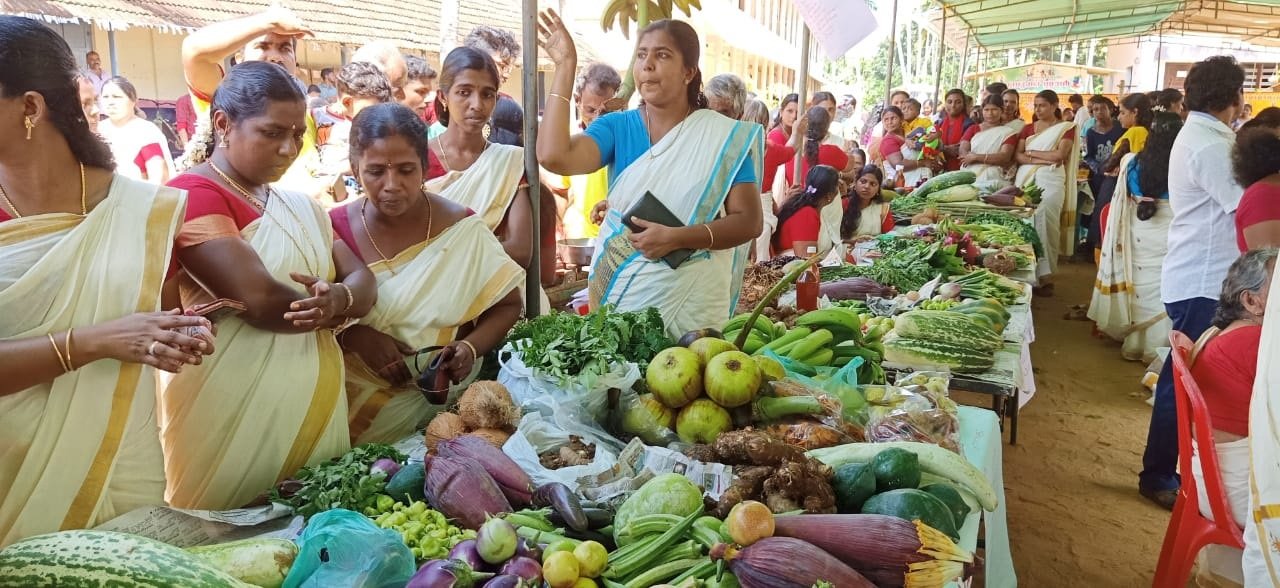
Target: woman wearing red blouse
800	219
815	124
1256	159
1224	367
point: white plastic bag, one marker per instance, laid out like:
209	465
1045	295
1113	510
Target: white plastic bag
536	435
584	399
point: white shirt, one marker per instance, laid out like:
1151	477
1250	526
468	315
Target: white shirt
1203	196
97	79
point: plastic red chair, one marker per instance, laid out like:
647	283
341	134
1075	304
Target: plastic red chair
1189	531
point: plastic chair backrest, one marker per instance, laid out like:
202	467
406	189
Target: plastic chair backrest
1193	418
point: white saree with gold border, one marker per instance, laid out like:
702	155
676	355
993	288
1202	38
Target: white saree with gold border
424	294
488	186
1055	216
84	447
265	404
692	177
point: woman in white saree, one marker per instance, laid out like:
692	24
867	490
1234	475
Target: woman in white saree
987	148
1047	156
466	167
704	168
413	240
1126	295
83	254
272	400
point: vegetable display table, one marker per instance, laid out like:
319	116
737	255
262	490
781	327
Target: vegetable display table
980	444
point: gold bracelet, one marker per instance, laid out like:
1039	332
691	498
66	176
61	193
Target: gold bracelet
58	353
67	343
554	95
474	355
351	299
712	235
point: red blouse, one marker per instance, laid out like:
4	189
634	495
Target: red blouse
775	154
1225	370
1260	203
827	155
804	225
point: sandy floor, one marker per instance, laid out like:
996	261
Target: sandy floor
1075	516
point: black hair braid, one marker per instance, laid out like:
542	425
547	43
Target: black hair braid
819	124
819	183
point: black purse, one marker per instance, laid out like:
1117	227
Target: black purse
433	381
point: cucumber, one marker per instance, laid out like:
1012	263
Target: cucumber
912	505
261	562
945	180
933	460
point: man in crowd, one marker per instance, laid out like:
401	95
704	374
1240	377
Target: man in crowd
597	84
270	36
1202	244
388	59
185	118
328	85
94	72
952	126
420	87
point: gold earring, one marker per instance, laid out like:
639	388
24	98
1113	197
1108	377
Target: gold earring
26	121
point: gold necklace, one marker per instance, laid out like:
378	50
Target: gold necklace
84	197
262	208
369	234
679	127
444	157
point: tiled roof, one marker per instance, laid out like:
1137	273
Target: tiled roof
406	23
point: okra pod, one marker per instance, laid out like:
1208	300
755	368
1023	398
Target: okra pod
701	571
657	574
630	563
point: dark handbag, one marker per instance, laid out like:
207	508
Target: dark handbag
653	210
433	381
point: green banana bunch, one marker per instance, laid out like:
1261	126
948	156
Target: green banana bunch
624	12
843	323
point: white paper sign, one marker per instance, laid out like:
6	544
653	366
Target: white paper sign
838	25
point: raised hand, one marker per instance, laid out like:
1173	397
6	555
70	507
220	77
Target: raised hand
554	38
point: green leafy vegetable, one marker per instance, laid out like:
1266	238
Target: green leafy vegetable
906	264
1025	230
343	482
564	346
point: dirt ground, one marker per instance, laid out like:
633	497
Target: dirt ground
1075	516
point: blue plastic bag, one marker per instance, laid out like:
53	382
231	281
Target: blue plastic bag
344	548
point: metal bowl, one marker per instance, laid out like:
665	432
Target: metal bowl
576	251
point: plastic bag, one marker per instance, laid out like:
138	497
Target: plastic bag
536	435
344	548
792	366
582	399
919	410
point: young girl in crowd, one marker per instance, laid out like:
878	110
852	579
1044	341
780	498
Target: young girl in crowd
800	219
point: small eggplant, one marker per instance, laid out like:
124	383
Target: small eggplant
561	499
465	552
597	518
505	581
687	339
524	568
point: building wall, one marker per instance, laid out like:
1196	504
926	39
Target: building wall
151	59
1145	61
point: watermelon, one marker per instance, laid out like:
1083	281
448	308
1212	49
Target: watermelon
105	558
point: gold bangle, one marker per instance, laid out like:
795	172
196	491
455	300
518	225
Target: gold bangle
58	353
474	355
351	299
554	95
67	343
712	235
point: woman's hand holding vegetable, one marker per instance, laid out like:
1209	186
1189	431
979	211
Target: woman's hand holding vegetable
382	353
326	302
